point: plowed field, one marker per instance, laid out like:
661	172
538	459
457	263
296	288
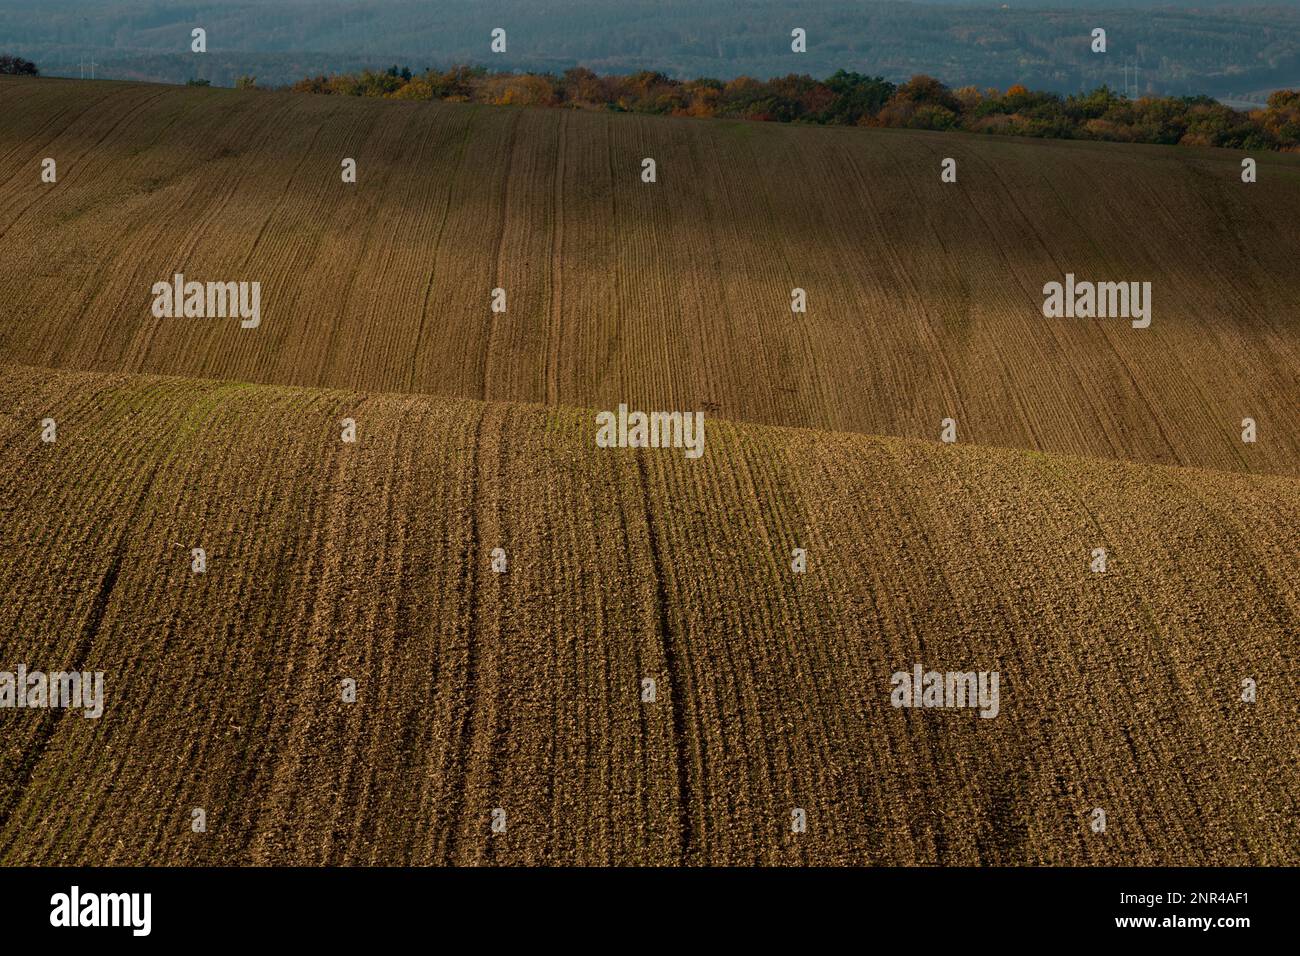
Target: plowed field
522	690
648	680
924	298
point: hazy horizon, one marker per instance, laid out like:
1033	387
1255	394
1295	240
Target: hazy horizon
1222	49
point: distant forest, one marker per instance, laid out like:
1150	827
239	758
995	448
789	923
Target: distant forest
1232	51
852	99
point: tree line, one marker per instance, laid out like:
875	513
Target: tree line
851	99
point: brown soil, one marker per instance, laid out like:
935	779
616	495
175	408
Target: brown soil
521	690
924	297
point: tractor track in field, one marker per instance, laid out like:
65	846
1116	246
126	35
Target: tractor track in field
11	797
688	781
469	727
33	754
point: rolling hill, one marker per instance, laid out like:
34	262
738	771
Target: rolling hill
924	298
523	690
333	567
